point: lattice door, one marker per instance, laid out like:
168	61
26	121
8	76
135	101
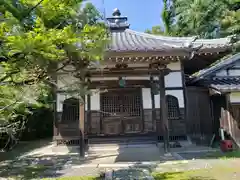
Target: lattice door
121	111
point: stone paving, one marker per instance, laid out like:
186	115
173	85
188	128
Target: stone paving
124	161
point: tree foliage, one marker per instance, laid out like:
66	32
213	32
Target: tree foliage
167	16
35	36
204	18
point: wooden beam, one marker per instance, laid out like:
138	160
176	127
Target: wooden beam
121	72
115	84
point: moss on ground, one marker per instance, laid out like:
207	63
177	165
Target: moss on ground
216	173
225	155
73	178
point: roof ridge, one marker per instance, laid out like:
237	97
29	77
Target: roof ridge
224	40
160	37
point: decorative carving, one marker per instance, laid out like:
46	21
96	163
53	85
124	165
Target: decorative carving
121	66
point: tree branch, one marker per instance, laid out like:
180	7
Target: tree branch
34	7
40	77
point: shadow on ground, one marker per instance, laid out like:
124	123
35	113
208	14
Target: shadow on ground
147	173
30	167
22	148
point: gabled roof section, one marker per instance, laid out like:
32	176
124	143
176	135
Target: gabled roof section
127	40
223	64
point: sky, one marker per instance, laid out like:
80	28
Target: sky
142	14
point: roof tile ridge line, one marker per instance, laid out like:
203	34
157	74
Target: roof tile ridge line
227	37
160	37
224	41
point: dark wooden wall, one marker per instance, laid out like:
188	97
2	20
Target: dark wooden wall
199	119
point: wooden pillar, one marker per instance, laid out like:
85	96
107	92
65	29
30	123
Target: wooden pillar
55	118
81	126
89	118
153	107
164	111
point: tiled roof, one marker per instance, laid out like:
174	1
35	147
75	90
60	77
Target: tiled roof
207	77
127	40
225	83
223	64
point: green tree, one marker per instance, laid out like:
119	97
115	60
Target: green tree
204	18
230	21
157	30
35	35
167	17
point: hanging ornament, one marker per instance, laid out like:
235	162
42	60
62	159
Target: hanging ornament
122	82
155	88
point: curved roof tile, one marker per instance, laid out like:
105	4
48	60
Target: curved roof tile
125	39
129	40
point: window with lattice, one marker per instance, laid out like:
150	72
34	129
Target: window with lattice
173	107
110	104
120	104
70	110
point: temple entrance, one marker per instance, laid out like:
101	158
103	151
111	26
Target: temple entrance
121	111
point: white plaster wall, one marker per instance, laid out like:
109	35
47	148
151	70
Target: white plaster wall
173	79
138	78
60	99
104	78
157	101
174	66
235	97
177	93
146	98
124	77
95	100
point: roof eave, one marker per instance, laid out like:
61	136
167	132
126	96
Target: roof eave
216	67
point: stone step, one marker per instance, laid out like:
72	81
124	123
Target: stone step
123	140
107	147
